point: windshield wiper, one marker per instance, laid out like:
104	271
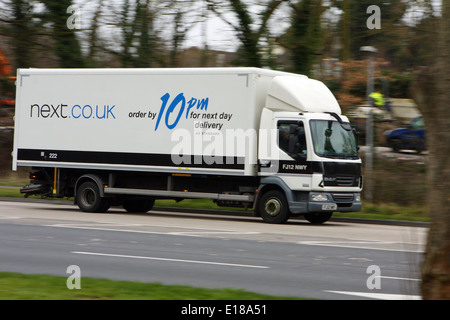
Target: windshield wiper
339	156
331	156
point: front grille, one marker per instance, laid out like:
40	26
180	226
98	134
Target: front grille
344	181
341	198
341	181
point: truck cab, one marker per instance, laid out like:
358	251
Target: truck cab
313	156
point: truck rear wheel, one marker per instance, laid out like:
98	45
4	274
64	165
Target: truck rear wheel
318	217
273	207
89	199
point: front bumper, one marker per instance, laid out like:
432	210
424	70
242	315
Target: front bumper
340	202
330	202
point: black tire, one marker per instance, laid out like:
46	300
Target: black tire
89	199
396	145
318	217
273	207
138	204
419	148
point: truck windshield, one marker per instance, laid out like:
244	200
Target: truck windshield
332	141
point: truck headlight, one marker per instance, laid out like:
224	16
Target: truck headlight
319	197
358	197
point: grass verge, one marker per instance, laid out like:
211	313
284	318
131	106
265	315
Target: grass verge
16	286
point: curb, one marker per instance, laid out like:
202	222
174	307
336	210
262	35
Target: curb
402	223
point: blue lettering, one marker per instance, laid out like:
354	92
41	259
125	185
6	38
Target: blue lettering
179	98
84	108
203	104
191	104
104	112
164	99
109	112
87	111
73	108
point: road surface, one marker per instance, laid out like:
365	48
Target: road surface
337	260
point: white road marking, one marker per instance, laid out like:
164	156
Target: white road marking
397	278
194	232
381	296
367	245
173	260
9	218
198	233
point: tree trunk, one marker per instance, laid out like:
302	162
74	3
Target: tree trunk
432	94
66	46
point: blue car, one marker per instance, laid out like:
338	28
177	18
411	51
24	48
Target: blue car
412	137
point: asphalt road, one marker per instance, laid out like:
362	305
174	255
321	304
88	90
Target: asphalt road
337	260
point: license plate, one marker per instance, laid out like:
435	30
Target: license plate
328	207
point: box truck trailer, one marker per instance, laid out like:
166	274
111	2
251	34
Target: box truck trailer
272	141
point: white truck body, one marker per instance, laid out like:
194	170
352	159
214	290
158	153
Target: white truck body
96	125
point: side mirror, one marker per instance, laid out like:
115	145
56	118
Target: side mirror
356	135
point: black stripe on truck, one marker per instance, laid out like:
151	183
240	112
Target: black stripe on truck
126	158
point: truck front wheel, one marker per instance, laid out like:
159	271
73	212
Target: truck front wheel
89	199
273	207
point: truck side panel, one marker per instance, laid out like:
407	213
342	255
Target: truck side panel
137	121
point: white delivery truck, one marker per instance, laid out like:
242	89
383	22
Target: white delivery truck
272	141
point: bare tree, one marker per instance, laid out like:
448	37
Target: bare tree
22	31
431	91
184	15
247	31
304	37
93	41
66	45
149	32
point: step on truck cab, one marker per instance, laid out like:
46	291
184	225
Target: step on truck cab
271	141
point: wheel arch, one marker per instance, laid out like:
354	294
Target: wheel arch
268	184
90	177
